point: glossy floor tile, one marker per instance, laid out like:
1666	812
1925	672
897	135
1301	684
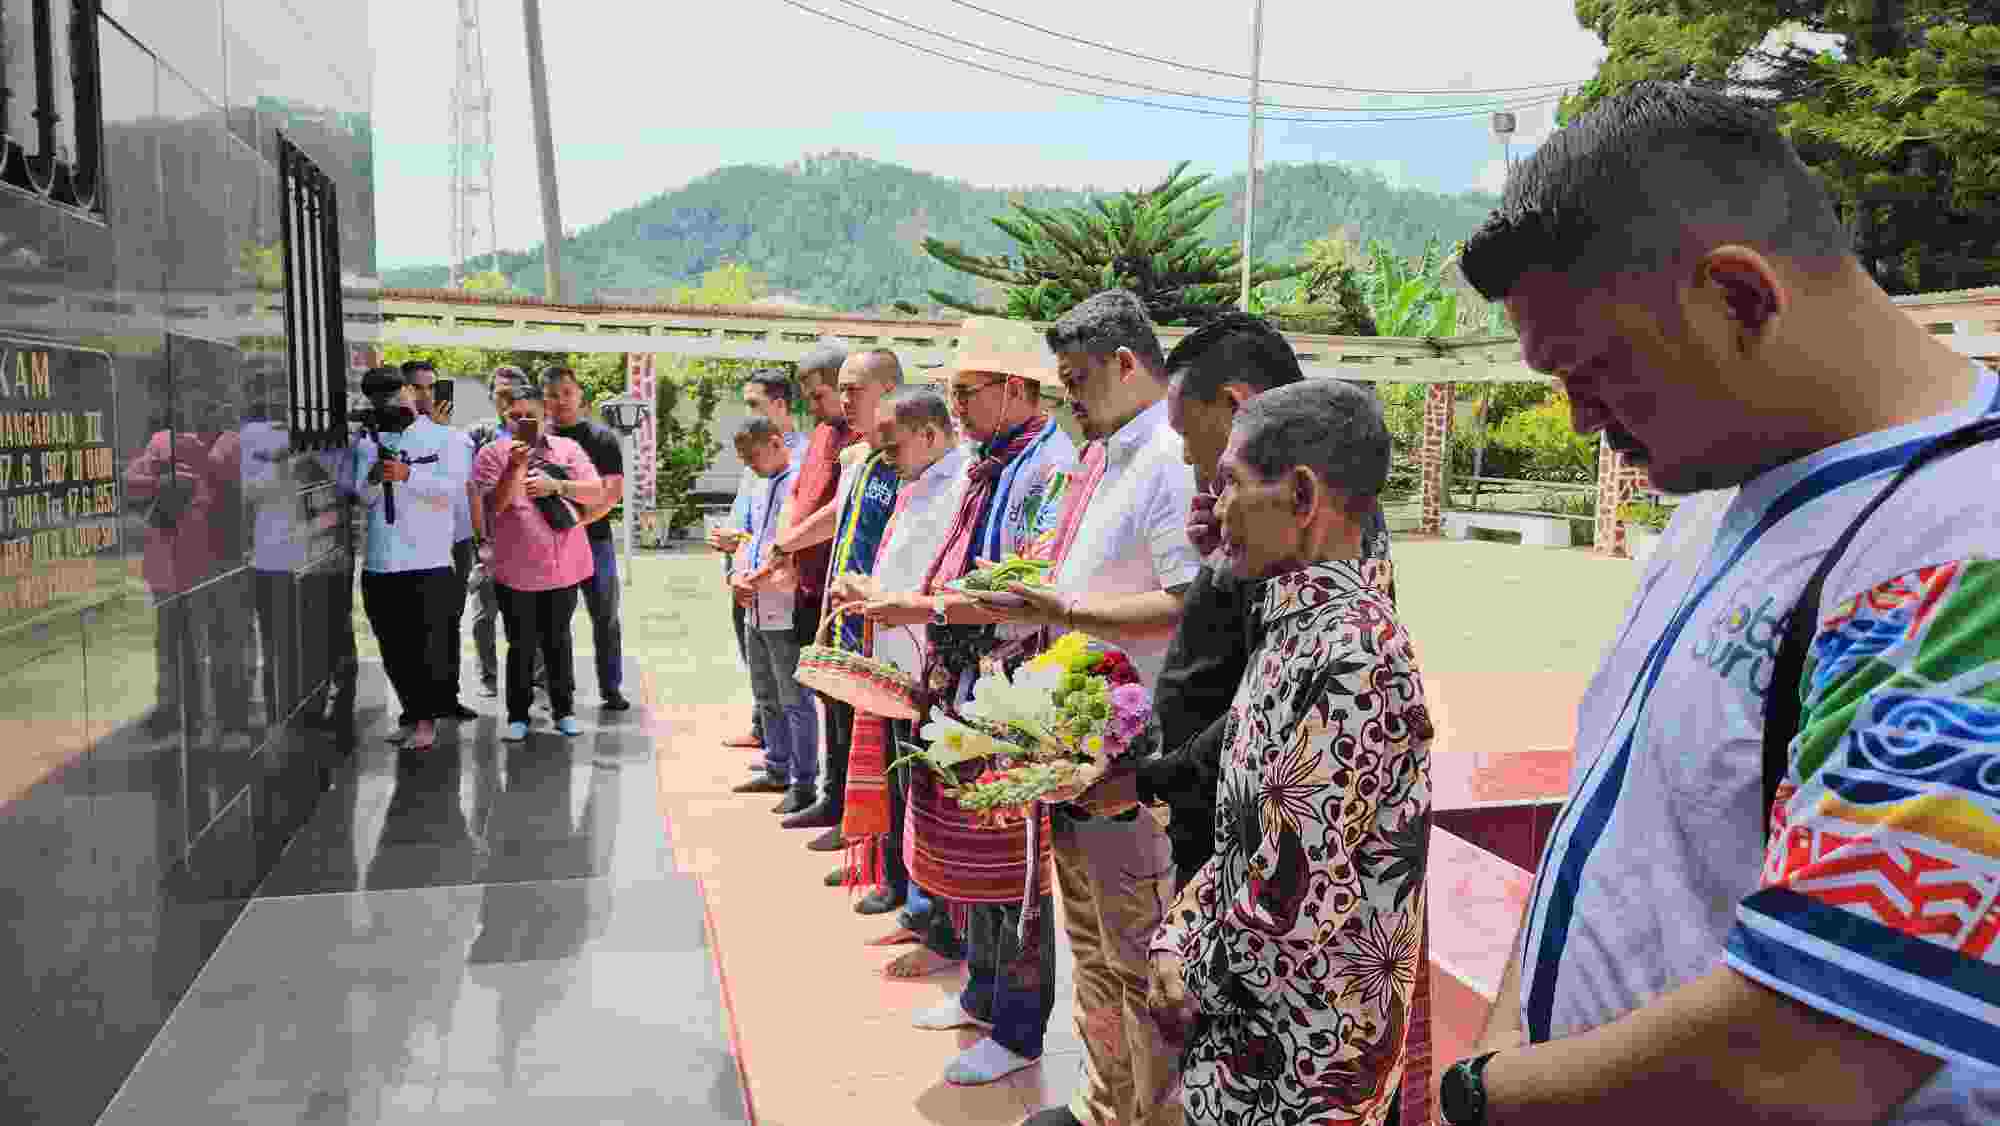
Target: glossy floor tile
484	932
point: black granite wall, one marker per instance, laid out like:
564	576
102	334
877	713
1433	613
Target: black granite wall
174	578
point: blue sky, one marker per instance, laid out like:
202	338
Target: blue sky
650	98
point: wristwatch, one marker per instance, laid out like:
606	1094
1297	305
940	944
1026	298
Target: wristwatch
1462	1092
937	612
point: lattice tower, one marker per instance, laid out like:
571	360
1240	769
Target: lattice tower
473	213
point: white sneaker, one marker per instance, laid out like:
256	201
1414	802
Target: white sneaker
985	1062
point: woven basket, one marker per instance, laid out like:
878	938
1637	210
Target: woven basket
869	685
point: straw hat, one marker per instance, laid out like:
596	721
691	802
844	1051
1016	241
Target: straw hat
1003	347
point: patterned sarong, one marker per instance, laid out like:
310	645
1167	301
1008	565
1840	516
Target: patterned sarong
866	819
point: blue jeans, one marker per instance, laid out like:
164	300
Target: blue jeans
600	598
1016	993
791	725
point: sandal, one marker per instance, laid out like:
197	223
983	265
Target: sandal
913	964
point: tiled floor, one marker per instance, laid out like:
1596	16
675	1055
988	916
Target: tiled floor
485	933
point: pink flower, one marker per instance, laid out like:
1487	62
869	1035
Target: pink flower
1130	704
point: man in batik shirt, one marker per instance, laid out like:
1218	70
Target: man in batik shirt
1288	963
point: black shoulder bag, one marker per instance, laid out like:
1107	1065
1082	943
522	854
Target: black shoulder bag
1782	704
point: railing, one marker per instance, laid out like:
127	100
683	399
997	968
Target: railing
1519	485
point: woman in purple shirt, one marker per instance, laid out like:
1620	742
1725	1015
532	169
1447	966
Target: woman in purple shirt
536	566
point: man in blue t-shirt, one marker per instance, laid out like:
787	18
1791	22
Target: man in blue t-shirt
862	504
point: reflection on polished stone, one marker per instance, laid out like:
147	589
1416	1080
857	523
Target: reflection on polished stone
476	810
484	930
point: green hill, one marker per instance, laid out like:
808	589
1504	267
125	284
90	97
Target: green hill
846	232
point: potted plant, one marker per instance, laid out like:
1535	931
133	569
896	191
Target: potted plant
1644	522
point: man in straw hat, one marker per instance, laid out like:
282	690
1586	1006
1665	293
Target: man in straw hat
996	383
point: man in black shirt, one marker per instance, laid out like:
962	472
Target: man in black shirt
600	591
1212	373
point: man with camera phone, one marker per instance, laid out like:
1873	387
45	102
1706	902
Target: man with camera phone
408	474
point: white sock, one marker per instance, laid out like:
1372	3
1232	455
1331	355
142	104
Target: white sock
984	1062
946	1015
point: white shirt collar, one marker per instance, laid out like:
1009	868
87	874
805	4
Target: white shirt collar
1137	432
950	465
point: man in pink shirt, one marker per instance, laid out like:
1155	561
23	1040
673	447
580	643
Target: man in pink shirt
535	488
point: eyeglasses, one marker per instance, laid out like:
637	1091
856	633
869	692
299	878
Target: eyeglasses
964	395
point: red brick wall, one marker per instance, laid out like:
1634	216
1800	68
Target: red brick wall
1617	483
1434	457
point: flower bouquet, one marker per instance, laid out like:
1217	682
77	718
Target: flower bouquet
1044	734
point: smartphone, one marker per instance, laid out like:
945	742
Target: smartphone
441	390
527	430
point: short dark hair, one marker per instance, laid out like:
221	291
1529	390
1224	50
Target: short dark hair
920	405
556	373
775	383
823	361
528	393
755	430
1323	424
1233	348
1647	177
1104	323
508	374
412	367
382	381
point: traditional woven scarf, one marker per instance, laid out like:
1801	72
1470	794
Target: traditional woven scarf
866	818
955	558
1076	500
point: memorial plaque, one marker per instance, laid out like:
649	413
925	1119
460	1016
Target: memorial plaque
59	494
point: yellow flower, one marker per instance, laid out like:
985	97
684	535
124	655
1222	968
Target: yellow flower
1095	744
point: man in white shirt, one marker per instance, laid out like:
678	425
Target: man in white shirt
406	478
1123	561
767	394
914	433
1704	940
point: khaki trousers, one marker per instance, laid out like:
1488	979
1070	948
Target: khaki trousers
1116	881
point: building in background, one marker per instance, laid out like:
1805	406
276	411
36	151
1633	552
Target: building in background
185	190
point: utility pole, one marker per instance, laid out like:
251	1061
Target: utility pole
545	152
1250	185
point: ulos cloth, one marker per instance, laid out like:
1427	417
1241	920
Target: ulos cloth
1878	902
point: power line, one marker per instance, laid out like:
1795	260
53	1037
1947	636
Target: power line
1522	103
1484	106
1243	77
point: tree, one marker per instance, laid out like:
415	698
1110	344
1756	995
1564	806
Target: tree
486	281
1328	296
731	283
1146	241
1411	300
1902	120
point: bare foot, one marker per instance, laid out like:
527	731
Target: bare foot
915	964
901	936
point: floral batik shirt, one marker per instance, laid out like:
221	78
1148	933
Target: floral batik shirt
1299	938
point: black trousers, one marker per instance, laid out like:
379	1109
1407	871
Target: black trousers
408	612
278	625
839	741
462	558
538	622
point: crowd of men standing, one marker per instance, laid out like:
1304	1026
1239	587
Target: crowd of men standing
508	515
1189	530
